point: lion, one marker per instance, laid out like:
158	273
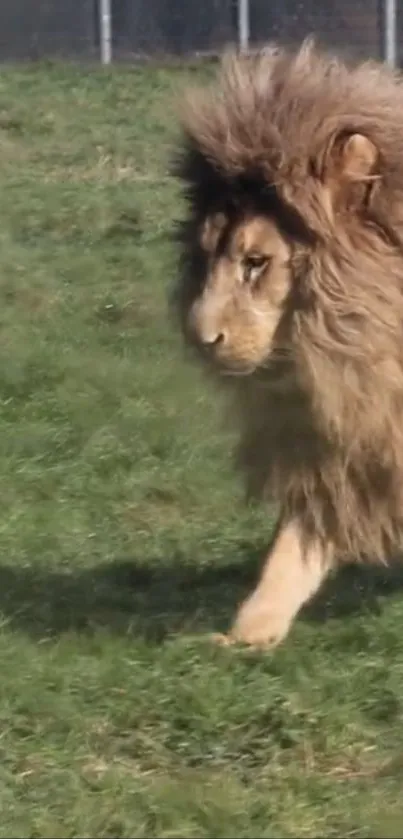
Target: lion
291	291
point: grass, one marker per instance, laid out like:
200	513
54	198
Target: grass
124	536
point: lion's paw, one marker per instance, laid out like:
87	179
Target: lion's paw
259	626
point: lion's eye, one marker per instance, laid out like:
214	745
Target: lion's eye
253	264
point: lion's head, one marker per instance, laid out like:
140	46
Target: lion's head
236	319
292	265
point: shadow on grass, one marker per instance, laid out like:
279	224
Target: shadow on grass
153	601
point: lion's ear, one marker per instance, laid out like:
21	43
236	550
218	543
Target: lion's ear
352	158
358	158
211	231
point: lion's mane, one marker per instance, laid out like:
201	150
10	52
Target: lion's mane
329	448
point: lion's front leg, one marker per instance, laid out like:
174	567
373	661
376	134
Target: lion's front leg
292	574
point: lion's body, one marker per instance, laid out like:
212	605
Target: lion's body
322	421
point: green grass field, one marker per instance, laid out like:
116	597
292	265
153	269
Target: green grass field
124	537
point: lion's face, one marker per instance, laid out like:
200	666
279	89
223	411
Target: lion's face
236	318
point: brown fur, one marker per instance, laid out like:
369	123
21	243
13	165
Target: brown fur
322	424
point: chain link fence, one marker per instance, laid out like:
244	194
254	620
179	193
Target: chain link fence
37	29
352	25
172	27
149	29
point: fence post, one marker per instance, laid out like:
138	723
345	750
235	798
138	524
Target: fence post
105	30
243	25
389	27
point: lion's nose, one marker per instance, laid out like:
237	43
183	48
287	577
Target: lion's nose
206	326
212	339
